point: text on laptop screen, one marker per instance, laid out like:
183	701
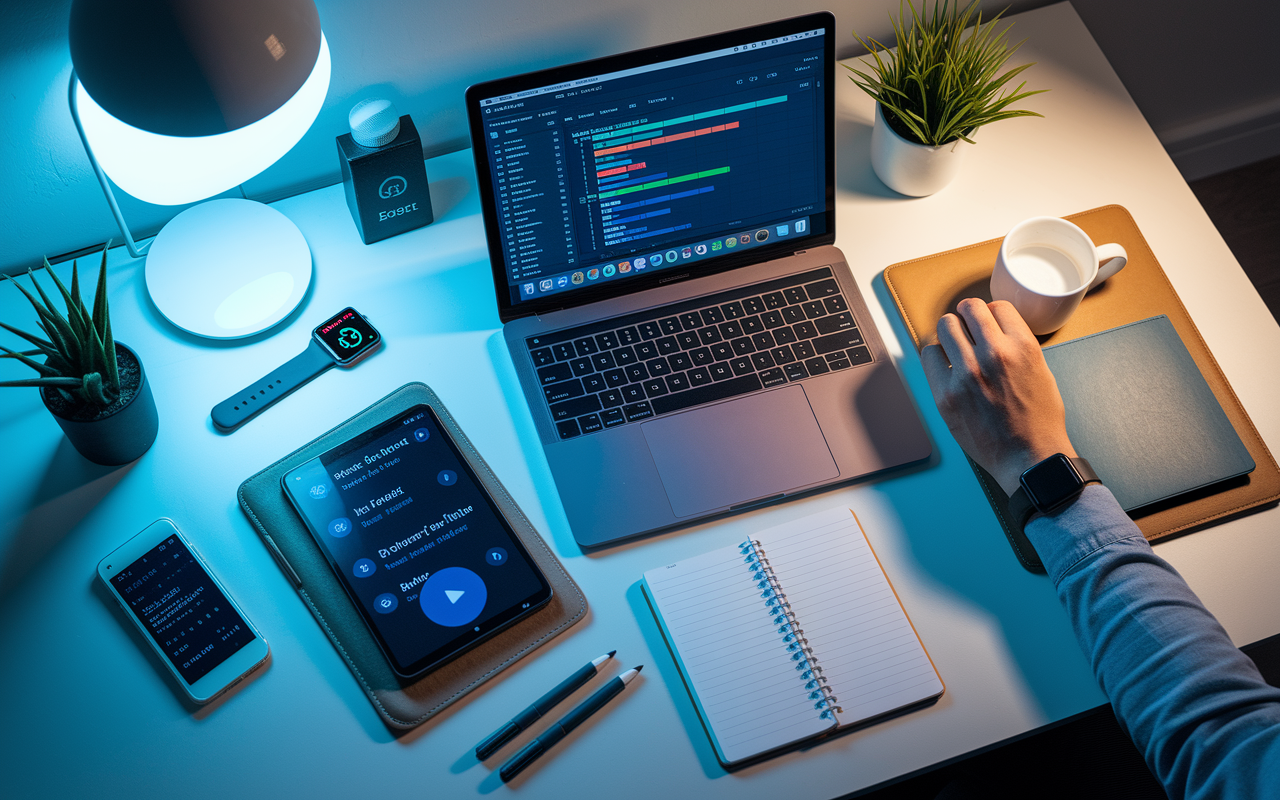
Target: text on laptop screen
615	175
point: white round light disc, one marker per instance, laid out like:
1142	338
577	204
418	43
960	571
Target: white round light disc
227	269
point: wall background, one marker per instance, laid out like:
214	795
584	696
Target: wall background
1204	76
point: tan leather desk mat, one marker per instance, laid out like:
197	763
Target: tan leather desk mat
402	704
926	288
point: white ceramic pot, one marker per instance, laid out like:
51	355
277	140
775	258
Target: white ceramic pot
909	168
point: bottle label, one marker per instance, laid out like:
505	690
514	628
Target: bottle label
392	187
383	216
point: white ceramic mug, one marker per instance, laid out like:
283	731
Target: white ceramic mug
1045	267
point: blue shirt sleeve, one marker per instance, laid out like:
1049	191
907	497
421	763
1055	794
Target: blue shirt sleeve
1206	722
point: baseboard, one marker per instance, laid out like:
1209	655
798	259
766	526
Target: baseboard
1225	142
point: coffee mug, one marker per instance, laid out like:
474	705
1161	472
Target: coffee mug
1045	267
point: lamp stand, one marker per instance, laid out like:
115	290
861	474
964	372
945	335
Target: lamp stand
134	250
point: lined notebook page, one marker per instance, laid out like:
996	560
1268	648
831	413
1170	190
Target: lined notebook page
746	687
856	628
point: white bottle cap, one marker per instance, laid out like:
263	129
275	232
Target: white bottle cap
374	122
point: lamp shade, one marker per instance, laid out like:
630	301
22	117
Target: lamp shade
193	67
184	99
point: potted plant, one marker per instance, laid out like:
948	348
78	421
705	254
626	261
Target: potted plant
931	95
94	386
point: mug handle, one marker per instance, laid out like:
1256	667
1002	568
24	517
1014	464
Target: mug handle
1112	258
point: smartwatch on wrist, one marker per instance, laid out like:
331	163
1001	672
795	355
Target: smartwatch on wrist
342	340
1049	485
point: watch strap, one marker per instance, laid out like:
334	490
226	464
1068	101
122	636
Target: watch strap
1021	509
246	404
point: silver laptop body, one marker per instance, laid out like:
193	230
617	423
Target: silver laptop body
753	371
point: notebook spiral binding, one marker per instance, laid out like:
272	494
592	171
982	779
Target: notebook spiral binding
779	608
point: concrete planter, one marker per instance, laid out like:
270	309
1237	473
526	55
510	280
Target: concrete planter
123	434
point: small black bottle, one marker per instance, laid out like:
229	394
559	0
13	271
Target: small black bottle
382	172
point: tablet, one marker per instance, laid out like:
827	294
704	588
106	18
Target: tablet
422	550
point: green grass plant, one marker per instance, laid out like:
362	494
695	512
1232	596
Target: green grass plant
944	81
78	348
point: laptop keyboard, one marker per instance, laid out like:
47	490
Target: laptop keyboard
664	360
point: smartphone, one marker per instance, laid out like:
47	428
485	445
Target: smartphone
202	636
421	548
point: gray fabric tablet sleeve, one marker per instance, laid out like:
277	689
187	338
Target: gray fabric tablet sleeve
402	704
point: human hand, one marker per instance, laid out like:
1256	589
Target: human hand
995	391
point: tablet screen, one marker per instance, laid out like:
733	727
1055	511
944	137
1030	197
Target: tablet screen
420	547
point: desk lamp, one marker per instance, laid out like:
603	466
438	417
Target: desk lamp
180	100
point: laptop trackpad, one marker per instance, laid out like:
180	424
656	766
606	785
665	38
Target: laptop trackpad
733	452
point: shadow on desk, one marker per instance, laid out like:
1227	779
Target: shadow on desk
70	489
664	662
955	538
447	194
853	172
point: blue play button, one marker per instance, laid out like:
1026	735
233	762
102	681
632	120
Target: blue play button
453	597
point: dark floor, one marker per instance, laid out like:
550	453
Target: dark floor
1090	757
1245	205
1087	757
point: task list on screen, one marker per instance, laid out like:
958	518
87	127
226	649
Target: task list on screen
415	539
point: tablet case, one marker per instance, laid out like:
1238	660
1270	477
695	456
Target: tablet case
402	704
926	288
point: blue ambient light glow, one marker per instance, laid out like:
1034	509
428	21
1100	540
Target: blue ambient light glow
173	170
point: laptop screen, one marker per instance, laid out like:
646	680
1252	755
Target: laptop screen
609	176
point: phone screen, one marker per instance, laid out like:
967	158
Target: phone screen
182	609
417	542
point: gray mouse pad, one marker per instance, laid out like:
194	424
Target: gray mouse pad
723	455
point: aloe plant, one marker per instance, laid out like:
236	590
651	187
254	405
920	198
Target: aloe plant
79	351
942	84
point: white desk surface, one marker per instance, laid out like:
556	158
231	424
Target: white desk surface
87	713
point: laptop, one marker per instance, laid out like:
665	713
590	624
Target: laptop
661	225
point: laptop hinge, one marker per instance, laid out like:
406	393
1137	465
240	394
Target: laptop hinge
759	502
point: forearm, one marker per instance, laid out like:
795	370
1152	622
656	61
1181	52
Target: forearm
1195	705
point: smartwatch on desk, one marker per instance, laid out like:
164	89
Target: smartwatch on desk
342	340
1049	485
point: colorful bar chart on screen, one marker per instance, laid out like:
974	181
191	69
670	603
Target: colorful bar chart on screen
614	170
636	144
619	230
619	173
706	173
611	138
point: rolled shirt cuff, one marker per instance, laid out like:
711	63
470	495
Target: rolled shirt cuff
1070	535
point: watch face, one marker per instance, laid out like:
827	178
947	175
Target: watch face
347	336
1052	482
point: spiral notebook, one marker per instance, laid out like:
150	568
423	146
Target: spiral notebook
790	636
